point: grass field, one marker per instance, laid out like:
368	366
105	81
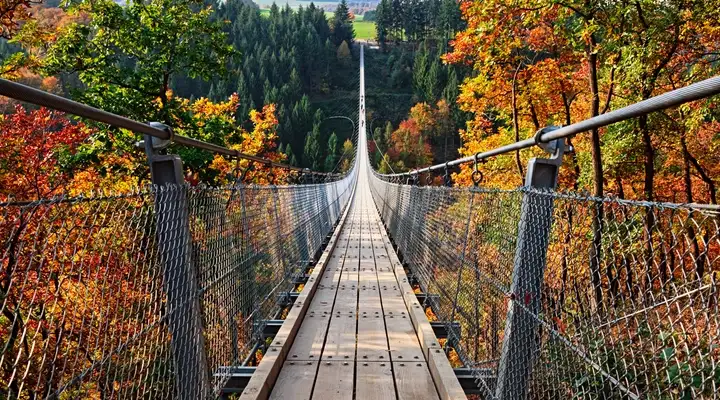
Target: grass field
364	30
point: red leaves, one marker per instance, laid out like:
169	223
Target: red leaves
560	325
36	145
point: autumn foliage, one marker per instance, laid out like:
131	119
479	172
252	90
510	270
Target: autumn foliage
542	63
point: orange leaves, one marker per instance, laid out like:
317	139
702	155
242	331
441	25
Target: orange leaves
560	325
430	314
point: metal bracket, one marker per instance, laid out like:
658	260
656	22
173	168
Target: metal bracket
556	147
152	143
543	172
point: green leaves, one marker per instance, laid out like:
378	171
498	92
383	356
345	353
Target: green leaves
126	55
667	353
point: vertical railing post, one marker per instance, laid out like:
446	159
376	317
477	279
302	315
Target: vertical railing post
521	342
179	276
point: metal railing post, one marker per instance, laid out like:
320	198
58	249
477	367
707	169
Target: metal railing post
182	308
521	341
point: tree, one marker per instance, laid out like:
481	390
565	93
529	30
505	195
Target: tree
12	13
313	153
342	27
343	54
290	156
349	151
37	153
383	22
126	55
261	141
410	148
332	148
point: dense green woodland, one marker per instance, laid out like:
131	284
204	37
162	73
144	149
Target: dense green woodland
285	59
299	60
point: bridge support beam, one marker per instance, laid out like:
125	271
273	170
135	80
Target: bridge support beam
521	341
182	308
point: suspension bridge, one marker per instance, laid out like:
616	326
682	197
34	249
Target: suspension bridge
359	285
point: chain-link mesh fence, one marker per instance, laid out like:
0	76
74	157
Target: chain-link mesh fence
552	305
150	294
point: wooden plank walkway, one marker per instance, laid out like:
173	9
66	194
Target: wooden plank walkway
357	330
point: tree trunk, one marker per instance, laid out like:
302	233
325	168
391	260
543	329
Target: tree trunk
598	212
516	129
649	178
700	261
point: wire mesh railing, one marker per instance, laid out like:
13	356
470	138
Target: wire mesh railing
149	294
635	317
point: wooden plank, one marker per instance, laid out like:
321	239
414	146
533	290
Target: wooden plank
323	300
309	340
295	380
334	381
393	304
366	250
368	266
372	341
402	339
331	277
264	376
374	381
444	377
413	381
340	340
346	300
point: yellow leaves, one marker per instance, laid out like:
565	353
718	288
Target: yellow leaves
204	108
261	141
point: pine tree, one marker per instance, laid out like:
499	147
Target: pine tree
290	156
331	158
311	158
397	18
342	24
379	138
388	134
295	85
420	70
383	22
433	82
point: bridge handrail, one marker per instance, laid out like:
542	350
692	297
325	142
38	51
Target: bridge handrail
695	91
42	98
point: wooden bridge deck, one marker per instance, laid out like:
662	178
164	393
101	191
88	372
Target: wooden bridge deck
357	331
